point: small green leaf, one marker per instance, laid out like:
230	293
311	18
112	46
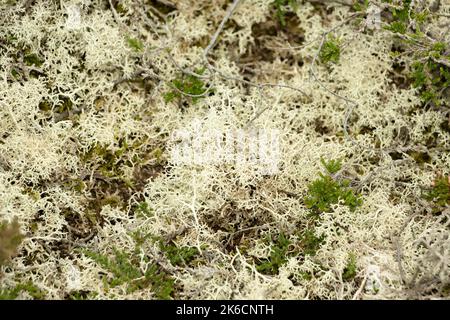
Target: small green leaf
350	269
330	51
135	44
325	191
278	256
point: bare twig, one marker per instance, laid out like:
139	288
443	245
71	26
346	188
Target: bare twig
361	288
351	104
213	40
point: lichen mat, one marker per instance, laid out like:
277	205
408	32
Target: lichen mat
355	205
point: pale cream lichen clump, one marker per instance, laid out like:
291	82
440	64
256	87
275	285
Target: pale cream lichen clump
86	135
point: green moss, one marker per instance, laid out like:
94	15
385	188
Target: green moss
158	154
430	77
351	268
143	210
140	238
310	243
135	44
420	17
32	193
400	17
429	96
283	248
326	191
109	161
29	287
10	239
440	193
92	217
125	269
331	50
114	201
78	185
332	166
281	7
15	74
179	256
397	27
438	49
306	275
418	74
360	5
427	73
403	13
278	256
315	273
190	85
33	60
